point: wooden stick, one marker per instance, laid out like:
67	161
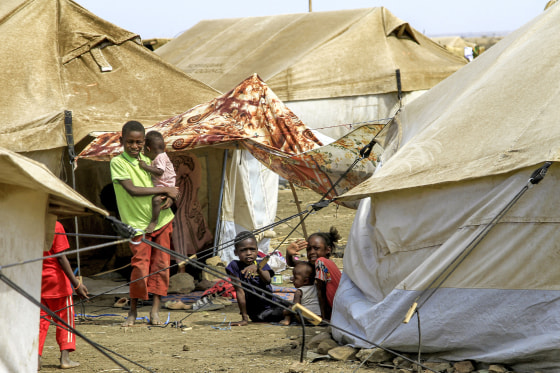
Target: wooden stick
299	210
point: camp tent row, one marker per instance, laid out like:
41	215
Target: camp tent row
330	68
454	160
57	57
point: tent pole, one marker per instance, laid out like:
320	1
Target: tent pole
72	158
219	220
301	218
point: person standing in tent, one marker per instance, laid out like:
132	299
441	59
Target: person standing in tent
161	169
319	248
134	191
56	295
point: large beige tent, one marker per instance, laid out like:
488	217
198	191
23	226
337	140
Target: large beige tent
330	68
57	56
452	222
31	198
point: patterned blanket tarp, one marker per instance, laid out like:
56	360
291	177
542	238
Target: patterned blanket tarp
252	116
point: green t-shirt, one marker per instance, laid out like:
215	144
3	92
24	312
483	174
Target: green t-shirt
135	211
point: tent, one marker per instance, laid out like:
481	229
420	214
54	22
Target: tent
330	68
57	57
251	117
454	44
438	227
31	199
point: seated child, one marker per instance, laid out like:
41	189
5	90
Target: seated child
161	169
306	293
246	271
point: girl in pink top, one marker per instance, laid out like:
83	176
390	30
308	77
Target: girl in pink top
319	248
161	169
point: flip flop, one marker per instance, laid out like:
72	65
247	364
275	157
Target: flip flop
177	305
121	303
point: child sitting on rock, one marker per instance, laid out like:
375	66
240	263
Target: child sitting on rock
306	293
246	271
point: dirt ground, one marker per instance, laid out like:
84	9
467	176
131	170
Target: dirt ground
204	342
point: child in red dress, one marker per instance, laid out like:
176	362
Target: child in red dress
56	295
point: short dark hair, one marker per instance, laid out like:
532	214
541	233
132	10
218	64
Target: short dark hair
330	238
309	266
131	126
154	139
242	236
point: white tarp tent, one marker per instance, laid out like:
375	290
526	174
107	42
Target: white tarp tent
454	159
330	68
31	198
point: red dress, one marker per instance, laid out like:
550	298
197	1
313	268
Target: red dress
327	271
56	294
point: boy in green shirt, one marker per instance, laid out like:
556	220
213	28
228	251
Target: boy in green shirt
134	191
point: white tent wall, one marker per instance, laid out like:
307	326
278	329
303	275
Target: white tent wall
250	200
335	117
500	305
23	238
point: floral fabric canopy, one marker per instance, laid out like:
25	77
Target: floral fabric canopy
252	116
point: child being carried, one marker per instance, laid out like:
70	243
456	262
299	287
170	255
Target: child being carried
161	169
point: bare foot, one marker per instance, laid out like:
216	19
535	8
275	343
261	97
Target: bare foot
151	227
65	362
154	319
284	322
131	318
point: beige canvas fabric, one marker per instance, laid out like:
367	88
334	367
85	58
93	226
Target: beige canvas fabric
31	198
58	56
22	172
313	55
497	114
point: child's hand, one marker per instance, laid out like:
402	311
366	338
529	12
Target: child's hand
142	164
249	271
172	192
166	202
295	247
82	291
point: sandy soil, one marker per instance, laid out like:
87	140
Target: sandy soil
204	343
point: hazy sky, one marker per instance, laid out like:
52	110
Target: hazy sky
169	18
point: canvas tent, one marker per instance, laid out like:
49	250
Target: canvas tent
57	57
454	160
454	44
330	68
31	198
251	117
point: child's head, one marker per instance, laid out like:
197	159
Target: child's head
246	247
154	144
322	245
303	274
132	138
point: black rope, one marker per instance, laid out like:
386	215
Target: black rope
66	252
22	292
220	275
103	347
